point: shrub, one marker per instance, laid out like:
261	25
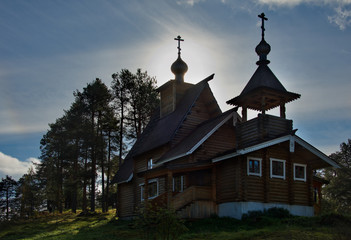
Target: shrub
159	223
275	212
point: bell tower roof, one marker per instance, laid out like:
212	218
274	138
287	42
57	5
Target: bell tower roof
263	91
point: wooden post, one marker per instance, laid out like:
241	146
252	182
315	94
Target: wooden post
282	110
146	189
169	188
290	177
266	174
263	105
244	113
309	179
213	181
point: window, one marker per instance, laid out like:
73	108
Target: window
254	166
178	184
149	164
152	189
277	168
300	172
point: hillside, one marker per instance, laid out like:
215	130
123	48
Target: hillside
106	226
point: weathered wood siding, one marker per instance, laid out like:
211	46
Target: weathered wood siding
204	108
126	201
262	128
220	141
228	181
234	184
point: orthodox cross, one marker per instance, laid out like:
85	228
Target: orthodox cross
262	16
179	39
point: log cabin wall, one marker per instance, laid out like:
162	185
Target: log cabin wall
126	203
235	185
221	141
228	181
198	114
262	128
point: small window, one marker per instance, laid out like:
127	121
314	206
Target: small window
277	168
178	184
254	166
300	172
149	164
152	189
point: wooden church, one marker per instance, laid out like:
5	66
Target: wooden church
201	161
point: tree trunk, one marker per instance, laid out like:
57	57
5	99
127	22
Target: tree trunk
121	135
84	203
108	169
93	166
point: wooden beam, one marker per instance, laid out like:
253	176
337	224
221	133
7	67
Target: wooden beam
213	181
169	188
282	110
244	113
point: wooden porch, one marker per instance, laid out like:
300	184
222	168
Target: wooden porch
196	200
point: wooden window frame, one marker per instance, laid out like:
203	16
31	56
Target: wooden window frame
142	189
149	164
248	166
271	168
305	172
181	182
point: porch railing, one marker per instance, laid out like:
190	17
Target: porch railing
191	194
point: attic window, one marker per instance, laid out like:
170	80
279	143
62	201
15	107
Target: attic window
277	168
149	164
300	172
254	166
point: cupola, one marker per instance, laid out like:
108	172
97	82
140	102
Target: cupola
263	91
173	91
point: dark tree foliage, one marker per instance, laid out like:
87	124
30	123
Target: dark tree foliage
29	193
338	191
84	147
7	196
135	98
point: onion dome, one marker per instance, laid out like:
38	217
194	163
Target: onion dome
179	67
262	50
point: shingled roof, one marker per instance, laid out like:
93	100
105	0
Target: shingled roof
197	137
161	131
263	83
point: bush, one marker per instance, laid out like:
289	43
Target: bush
275	212
159	223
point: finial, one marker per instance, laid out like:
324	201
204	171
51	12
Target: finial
179	67
263	48
179	39
262	16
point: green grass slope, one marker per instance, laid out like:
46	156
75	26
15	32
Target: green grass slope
106	226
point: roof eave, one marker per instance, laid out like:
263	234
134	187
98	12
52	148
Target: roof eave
291	138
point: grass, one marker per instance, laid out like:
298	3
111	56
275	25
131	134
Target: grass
105	226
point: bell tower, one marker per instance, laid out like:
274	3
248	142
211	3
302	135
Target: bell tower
172	91
263	91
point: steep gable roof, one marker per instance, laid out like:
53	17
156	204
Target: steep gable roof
160	131
196	137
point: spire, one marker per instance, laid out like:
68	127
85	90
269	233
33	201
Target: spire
263	48
179	67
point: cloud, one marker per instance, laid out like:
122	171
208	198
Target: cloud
189	2
13	167
292	3
342	18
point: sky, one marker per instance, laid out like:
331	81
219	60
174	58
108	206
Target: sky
50	48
